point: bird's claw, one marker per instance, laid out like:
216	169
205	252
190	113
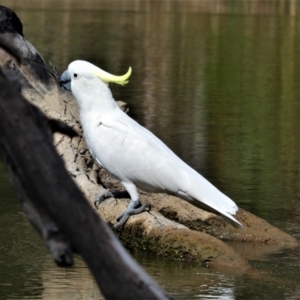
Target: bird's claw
102	197
109	194
122	219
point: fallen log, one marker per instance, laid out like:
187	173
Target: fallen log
56	206
188	224
52	201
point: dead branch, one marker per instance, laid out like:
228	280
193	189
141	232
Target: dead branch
57	207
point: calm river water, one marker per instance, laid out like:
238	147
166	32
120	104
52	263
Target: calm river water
217	81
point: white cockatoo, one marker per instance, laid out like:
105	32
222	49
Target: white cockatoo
131	153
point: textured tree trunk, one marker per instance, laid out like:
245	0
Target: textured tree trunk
50	198
56	206
173	228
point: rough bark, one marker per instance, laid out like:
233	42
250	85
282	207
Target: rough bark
57	207
172	222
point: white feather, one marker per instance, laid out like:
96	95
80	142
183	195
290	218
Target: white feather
132	154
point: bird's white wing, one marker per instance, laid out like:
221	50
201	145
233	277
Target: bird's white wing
132	153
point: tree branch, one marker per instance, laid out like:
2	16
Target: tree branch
56	205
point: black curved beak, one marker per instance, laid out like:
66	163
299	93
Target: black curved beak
65	80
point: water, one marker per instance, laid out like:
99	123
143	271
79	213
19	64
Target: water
217	81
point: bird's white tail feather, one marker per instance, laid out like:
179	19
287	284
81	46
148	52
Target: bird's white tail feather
204	195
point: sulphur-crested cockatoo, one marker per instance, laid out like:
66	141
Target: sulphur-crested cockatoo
131	153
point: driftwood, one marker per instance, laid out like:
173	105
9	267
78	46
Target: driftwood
173	228
55	205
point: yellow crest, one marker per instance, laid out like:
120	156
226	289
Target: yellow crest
106	77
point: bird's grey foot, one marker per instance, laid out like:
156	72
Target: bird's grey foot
134	208
109	194
102	197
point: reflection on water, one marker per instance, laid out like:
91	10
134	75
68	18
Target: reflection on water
218	81
188	280
74	283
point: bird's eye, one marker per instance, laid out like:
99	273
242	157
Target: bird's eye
75	75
